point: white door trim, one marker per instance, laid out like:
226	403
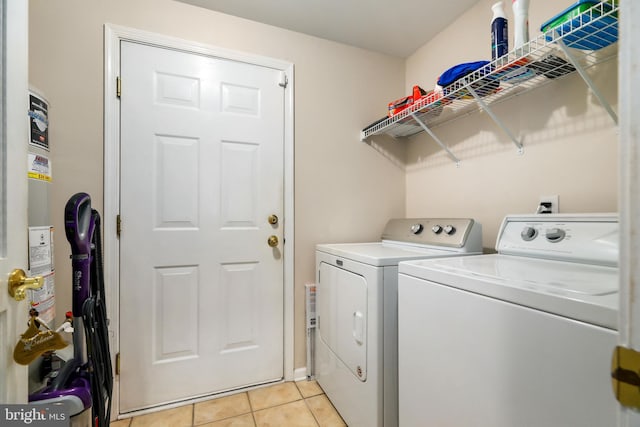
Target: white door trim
629	185
113	35
14	59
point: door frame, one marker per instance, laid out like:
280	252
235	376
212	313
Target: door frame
14	125
628	187
113	35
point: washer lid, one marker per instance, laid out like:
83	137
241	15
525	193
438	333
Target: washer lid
575	290
565	278
384	253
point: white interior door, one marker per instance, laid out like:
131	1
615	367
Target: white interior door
201	291
13	191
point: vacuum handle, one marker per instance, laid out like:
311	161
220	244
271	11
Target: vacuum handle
79	227
81	274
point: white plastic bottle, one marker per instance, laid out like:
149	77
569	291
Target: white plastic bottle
521	25
499	32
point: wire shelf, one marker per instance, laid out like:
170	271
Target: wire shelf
575	45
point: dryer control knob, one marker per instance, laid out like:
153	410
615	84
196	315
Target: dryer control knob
437	229
528	234
554	235
417	228
449	229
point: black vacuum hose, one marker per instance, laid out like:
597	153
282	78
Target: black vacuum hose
94	314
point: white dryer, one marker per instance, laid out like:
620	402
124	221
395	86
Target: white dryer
356	306
523	337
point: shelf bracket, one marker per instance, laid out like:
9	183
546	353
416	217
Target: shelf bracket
587	79
433	135
496	119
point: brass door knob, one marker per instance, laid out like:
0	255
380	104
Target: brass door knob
19	283
273	219
272	241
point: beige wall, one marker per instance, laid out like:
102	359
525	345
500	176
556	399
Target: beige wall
570	143
344	190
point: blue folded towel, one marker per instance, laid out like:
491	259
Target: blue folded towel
459	71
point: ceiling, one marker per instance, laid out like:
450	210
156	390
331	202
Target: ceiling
393	27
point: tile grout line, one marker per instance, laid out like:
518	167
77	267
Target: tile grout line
304	398
301	397
312	413
230	416
251	411
278	405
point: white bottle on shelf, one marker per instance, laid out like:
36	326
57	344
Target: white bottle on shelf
521	25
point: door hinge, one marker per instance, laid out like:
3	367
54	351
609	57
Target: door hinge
625	375
118	87
284	80
118	225
117	363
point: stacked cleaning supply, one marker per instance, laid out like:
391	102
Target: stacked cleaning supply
419	96
483	84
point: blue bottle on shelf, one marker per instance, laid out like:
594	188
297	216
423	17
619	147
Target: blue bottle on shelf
499	32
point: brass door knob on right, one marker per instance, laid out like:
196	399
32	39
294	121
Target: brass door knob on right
272	241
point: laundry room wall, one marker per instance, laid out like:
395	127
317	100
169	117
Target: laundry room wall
344	189
570	142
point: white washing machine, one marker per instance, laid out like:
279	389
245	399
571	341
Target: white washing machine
519	338
356	306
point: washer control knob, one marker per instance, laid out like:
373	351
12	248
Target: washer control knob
554	235
528	234
449	229
437	229
417	228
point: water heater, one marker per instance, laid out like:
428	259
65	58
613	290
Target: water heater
39	208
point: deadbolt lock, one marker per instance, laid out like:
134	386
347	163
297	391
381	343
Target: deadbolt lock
273	219
272	241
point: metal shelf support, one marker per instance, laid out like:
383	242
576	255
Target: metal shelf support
433	135
592	86
496	119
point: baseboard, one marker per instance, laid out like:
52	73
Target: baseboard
300	374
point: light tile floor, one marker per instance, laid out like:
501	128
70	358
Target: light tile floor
289	404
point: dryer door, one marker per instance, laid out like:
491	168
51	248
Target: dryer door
342	313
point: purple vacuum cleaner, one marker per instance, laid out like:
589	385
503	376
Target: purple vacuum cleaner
86	380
